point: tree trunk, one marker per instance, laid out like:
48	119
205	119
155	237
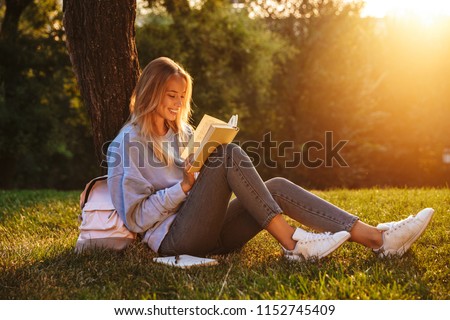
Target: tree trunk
101	44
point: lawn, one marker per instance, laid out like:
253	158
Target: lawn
38	230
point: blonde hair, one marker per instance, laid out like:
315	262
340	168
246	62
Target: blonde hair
148	95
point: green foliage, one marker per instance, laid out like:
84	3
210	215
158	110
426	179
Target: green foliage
231	57
39	231
44	131
377	83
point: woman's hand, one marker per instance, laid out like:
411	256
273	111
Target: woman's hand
188	178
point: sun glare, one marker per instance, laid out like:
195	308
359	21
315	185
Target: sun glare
426	11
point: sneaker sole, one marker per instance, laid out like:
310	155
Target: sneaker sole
335	247
409	243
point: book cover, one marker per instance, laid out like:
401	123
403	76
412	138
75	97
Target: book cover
210	133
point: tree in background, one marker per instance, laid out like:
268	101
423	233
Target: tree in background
100	40
10	79
232	58
378	83
45	139
414	100
324	87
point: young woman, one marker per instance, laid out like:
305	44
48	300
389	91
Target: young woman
180	213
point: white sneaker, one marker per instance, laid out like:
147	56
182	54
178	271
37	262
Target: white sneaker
315	245
399	236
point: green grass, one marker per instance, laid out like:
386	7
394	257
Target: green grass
38	231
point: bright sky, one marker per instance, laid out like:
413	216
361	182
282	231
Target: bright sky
425	10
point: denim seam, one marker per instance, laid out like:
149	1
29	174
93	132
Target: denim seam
346	225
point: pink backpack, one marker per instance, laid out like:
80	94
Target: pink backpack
101	225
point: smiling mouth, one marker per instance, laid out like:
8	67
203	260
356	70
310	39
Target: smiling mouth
174	111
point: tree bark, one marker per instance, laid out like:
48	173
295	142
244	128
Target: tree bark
101	44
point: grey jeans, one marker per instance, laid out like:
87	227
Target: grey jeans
208	223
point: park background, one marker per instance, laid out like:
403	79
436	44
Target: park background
294	69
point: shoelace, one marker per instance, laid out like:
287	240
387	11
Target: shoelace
390	226
395	224
310	237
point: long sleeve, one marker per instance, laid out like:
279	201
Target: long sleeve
144	193
139	205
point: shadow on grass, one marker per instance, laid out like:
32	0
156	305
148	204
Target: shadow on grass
132	274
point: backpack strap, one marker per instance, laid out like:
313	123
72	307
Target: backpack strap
88	188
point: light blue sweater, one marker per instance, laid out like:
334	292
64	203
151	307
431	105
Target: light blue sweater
145	192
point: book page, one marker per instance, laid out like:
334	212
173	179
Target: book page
233	121
185	261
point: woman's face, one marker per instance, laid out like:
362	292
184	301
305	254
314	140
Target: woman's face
172	101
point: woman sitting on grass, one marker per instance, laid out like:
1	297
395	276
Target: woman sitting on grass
180	213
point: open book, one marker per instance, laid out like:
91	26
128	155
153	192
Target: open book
210	133
185	261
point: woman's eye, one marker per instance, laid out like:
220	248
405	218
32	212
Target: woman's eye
171	95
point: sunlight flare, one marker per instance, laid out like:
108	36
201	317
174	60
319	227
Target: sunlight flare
427	12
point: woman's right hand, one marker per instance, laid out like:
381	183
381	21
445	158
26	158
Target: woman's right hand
188	177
